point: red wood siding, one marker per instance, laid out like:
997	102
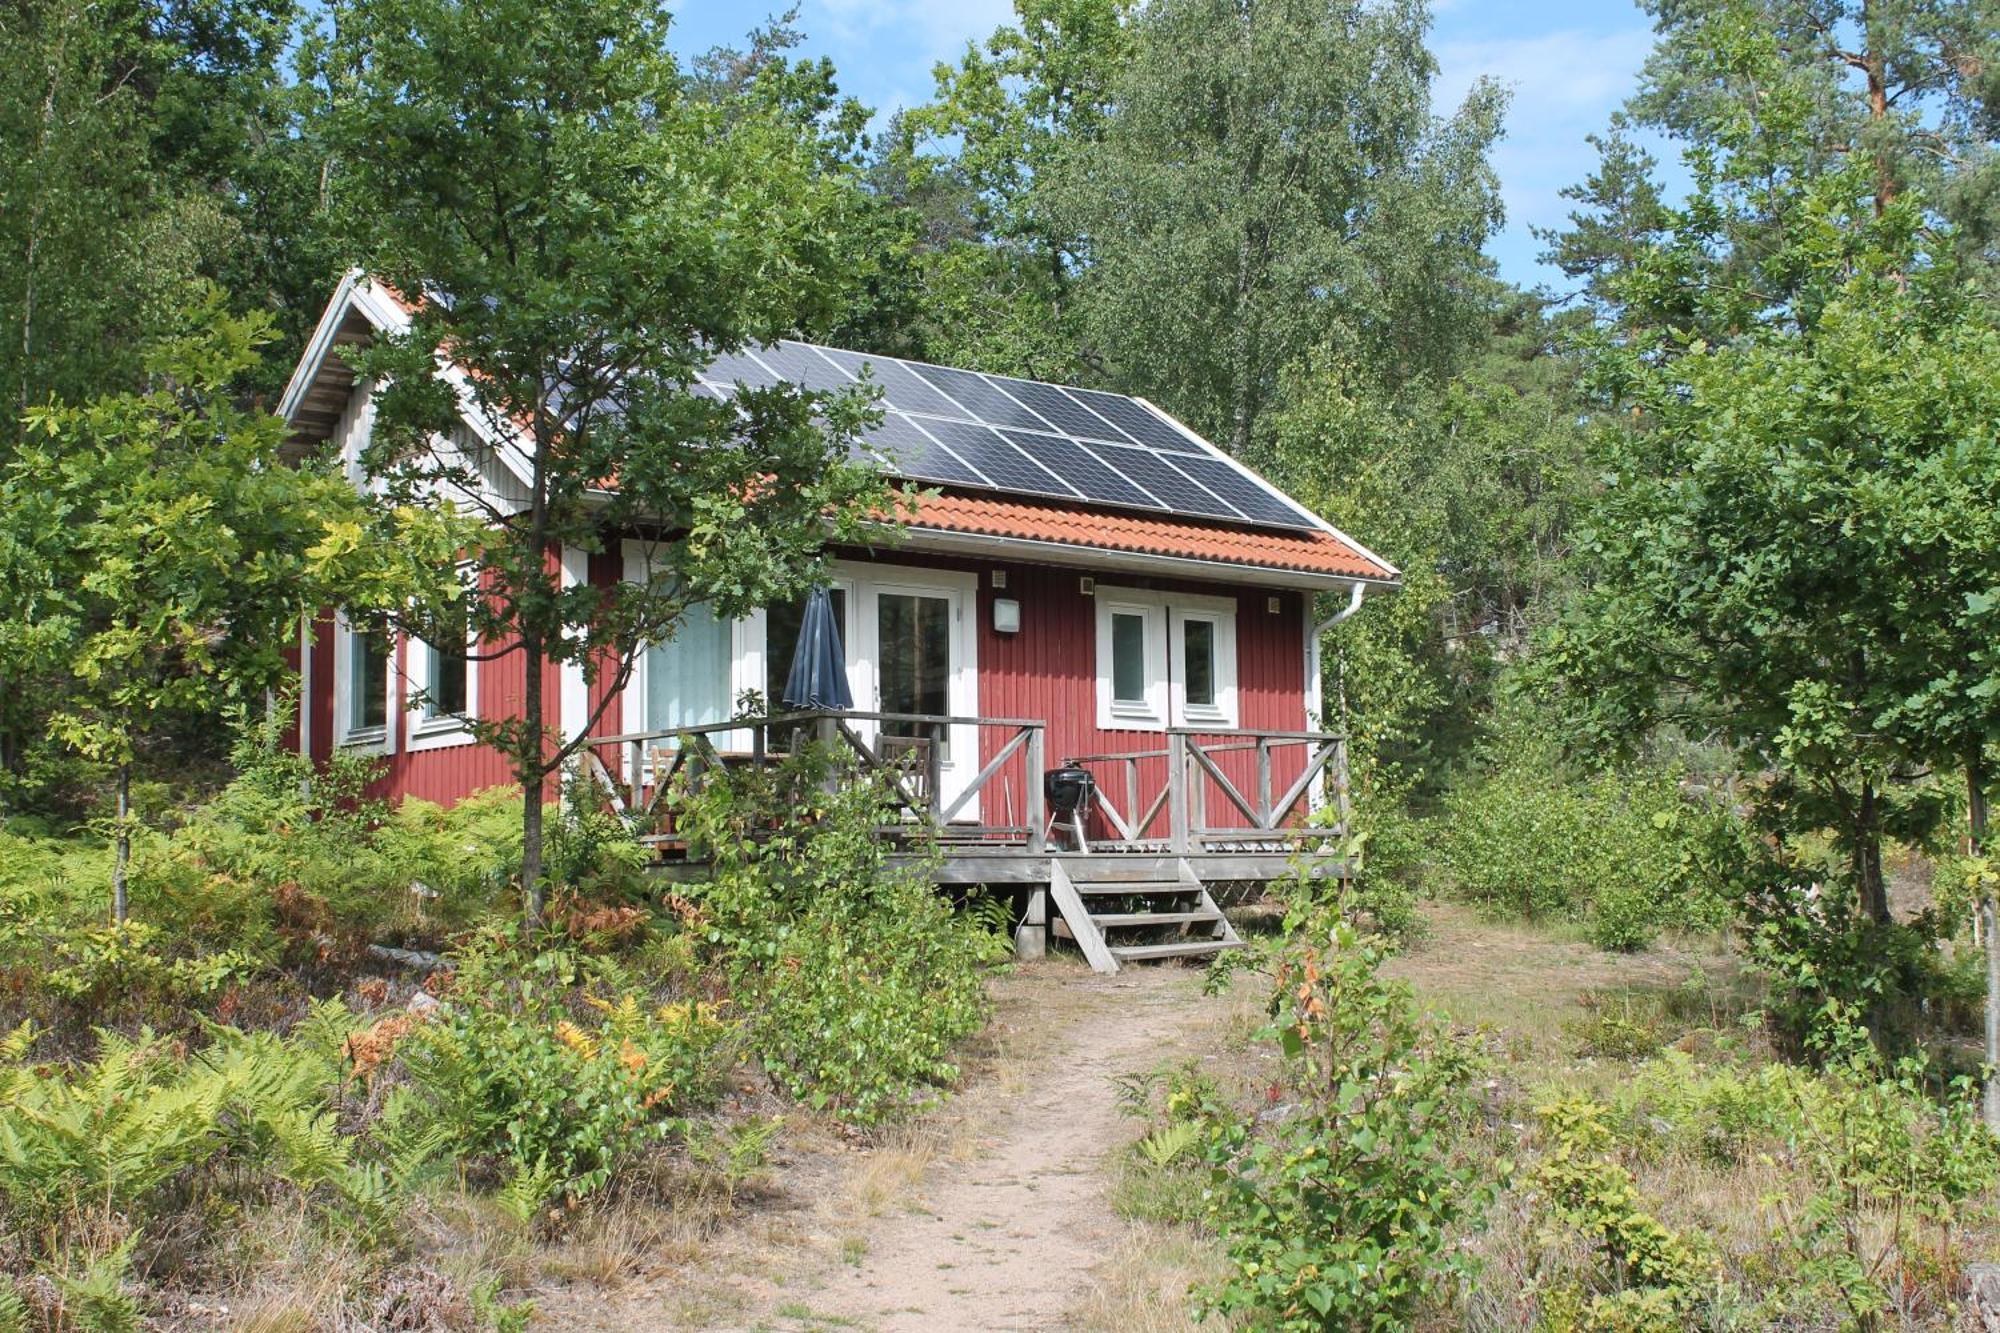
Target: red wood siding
1046	671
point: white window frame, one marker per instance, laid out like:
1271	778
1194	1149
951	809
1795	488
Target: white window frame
347	736
1166	616
1150	712
1221	614
428	730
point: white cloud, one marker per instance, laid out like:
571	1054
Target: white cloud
1565	85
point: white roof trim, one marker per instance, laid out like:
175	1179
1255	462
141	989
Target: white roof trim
360	293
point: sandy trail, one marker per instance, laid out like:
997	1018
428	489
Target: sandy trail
1008	1239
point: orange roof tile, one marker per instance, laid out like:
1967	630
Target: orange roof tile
1313	552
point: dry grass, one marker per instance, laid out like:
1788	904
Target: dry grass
1142	1285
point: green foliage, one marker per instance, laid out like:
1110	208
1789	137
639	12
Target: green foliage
1891	1164
1656	1275
555	1070
116	1145
1342	1213
1270	182
1626	852
630	223
855	976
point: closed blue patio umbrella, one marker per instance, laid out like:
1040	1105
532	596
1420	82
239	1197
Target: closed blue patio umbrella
819	664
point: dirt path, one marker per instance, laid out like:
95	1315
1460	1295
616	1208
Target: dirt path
1008	1239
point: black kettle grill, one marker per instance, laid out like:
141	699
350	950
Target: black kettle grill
1069	790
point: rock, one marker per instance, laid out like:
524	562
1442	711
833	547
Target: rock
1983	1283
423	1003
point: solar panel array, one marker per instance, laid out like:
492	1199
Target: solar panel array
962	428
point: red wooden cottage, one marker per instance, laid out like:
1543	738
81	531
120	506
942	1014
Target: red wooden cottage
1090	585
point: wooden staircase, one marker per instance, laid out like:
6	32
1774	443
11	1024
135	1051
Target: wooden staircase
1130	909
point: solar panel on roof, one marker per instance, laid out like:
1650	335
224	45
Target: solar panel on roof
1080	468
1168	484
1002	463
1062	411
901	389
916	455
1253	500
735	368
1136	420
962	428
803	365
984	401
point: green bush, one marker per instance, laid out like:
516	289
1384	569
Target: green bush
92	1158
553	1070
856	975
1628	854
1342	1211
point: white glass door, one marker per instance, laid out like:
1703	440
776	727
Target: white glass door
913	654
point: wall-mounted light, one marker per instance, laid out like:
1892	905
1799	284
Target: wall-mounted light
999	578
1006	616
1273	606
1087	586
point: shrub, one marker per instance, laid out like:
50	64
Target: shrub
856	975
91	1158
1627	853
1340	1212
554	1070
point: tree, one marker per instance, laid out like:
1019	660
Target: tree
1270	182
1766	95
1793	523
158	553
1471	487
578	230
999	261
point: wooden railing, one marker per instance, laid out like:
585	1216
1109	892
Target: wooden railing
1185	778
1188	771
635	771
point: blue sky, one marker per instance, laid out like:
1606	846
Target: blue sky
1569	63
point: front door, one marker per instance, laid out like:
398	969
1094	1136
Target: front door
913	655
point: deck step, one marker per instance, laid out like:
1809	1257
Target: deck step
1113	920
1138	953
1133	887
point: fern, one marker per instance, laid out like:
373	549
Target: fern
96	1300
526	1190
1165	1146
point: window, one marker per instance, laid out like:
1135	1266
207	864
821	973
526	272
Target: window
444	685
1204	692
444	695
361	686
688	676
1128	658
368	677
1165	659
1198	662
1131	661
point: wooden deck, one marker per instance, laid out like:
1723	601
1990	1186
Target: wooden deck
1185	812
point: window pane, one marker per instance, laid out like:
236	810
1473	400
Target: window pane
915	653
368	667
687	677
913	639
446	687
1128	658
1198	647
781	640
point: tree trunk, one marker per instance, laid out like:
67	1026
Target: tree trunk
533	776
1869	883
122	858
1975	803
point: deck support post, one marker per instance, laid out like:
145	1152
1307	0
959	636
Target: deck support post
1177	793
1038	821
1031	937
